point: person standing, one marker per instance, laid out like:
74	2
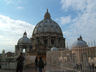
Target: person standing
36	63
20	63
40	64
93	67
0	66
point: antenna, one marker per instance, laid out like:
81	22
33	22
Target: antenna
94	42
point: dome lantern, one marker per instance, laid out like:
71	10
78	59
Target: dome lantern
25	34
47	15
80	38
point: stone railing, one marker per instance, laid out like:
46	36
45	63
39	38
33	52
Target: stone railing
8	64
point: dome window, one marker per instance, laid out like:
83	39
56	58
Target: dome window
52	41
45	41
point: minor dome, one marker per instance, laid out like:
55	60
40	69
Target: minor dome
24	39
54	49
79	43
47	25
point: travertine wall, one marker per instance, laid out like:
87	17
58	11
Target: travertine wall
58	58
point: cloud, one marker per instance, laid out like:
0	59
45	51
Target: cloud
8	1
20	7
12	1
84	24
65	20
75	4
11	30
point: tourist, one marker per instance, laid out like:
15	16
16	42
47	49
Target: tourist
77	66
40	64
36	63
20	63
0	66
80	66
90	67
93	67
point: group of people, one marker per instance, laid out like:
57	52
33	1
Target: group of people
78	66
39	63
92	67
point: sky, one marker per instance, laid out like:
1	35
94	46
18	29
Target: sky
75	17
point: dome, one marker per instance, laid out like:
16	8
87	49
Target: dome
47	25
79	43
54	49
24	39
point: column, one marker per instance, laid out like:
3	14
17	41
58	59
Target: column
49	42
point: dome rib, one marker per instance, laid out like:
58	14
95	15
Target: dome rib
47	26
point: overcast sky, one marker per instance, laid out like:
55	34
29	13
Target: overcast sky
75	17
